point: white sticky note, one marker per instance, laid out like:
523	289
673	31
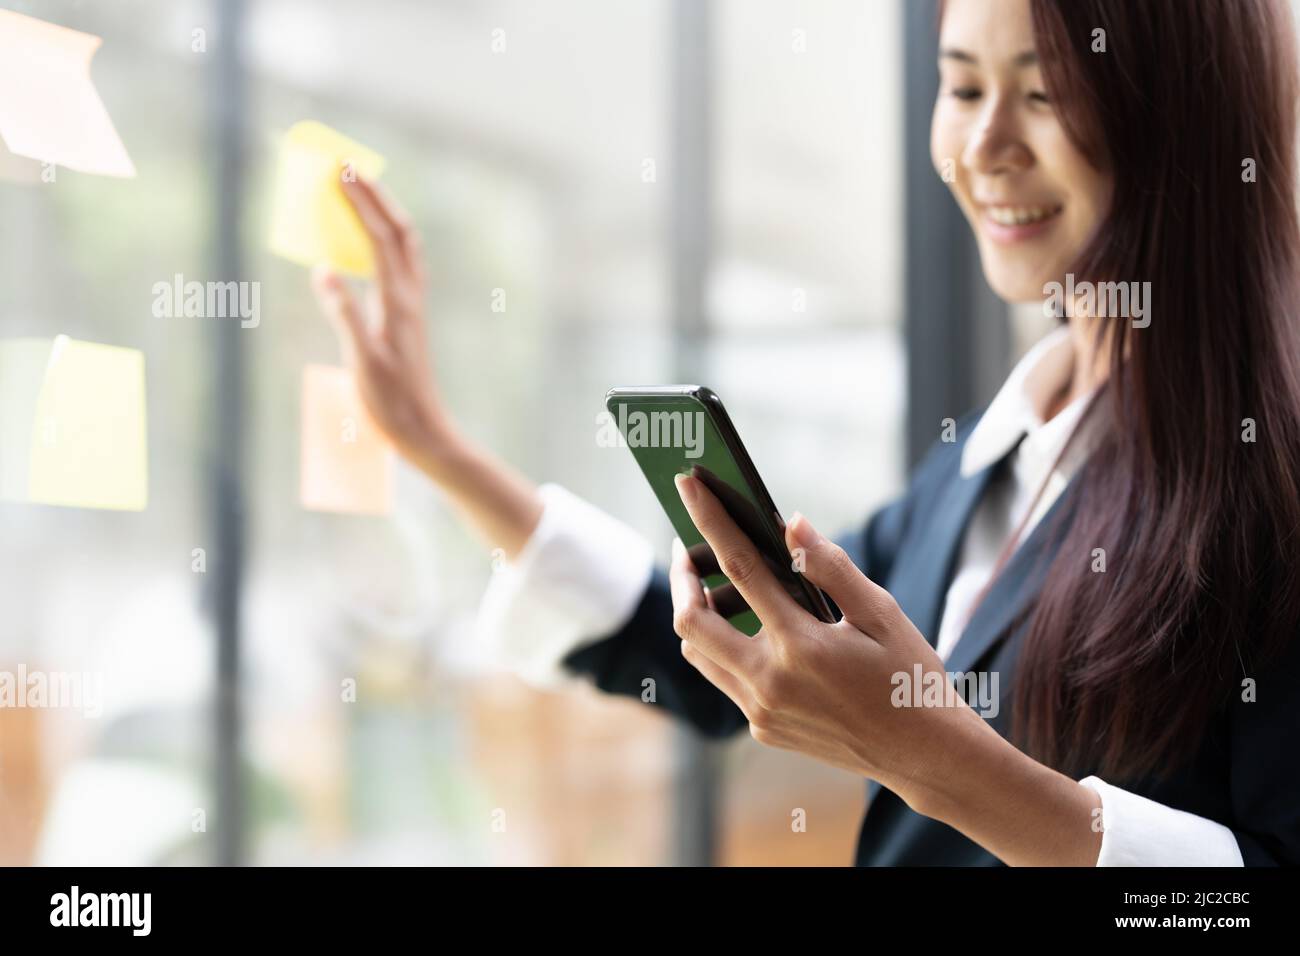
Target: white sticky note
49	108
311	220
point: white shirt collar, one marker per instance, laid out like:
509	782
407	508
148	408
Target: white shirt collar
1017	409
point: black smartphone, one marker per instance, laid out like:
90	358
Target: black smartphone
683	429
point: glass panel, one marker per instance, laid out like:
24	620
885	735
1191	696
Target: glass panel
530	143
519	154
805	297
106	603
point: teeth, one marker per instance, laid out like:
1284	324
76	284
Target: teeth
1020	215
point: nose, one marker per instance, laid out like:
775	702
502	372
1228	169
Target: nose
996	144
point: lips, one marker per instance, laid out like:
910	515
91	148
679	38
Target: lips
1005	214
1007	223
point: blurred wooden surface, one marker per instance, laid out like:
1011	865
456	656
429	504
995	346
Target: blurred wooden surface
22	784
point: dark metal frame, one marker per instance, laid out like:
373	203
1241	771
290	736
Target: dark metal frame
697	767
225	472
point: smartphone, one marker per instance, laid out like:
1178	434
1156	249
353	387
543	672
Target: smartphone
683	429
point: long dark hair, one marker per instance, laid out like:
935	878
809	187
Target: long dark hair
1193	107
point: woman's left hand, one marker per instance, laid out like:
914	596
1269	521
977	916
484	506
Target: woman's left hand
827	690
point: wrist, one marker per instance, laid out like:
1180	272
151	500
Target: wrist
443	454
1018	809
501	504
966	752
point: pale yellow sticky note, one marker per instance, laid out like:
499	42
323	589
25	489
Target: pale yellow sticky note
49	109
347	464
73	430
311	220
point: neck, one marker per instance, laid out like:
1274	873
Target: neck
1092	347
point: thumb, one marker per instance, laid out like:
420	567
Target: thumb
336	300
865	604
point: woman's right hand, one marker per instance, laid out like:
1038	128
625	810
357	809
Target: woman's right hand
384	343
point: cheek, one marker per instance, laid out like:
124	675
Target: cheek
942	138
1090	203
1096	198
1088	189
947	141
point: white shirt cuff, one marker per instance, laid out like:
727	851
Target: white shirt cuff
577	580
1140	832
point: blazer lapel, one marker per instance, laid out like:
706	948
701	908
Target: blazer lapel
922	594
1016	586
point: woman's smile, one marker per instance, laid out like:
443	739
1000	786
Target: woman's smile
1007	223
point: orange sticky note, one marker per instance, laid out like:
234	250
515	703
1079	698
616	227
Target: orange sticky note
346	462
311	220
49	109
73	431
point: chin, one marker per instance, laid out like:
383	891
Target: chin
1014	287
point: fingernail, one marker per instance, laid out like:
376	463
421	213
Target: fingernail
685	488
804	532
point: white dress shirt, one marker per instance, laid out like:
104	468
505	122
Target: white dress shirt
582	573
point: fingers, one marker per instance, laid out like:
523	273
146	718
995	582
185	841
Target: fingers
703	559
724	599
865	604
389	259
688	595
397	269
695	622
684	582
737	506
400	220
721	678
336	300
738	557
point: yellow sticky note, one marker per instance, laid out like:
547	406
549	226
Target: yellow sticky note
346	462
75	433
311	220
49	109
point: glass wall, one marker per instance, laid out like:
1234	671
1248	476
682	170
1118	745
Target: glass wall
531	142
108	600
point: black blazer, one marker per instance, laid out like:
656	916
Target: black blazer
1245	775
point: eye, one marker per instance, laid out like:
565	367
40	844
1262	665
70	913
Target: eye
1038	96
966	93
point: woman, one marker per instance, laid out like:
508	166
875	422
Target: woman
1113	540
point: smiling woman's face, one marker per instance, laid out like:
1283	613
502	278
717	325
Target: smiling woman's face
1027	191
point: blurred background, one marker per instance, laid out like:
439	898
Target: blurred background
735	192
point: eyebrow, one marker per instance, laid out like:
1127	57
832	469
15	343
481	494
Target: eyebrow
1028	58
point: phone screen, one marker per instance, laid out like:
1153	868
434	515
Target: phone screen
672	434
